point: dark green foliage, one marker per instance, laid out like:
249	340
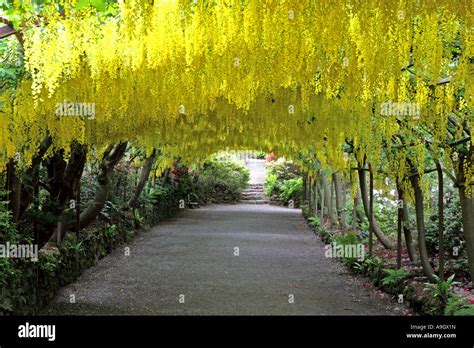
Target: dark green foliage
314	222
394	279
8	230
283	182
441	291
453	235
348	239
222	181
326	234
291	189
457	305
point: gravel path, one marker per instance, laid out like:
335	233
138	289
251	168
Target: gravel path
194	256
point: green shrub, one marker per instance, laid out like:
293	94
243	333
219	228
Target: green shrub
372	267
291	189
457	305
314	222
348	239
271	185
283	169
283	182
442	288
326	234
452	225
223	180
8	230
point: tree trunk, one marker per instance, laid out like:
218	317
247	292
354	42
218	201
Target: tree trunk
363	191
406	230
371	209
357	203
111	157
420	223
327	198
339	201
315	190
323	194
399	230
21	194
13	186
145	173
32	175
401	204
466	196
64	188
305	196
354	214
165	176
440	219
310	198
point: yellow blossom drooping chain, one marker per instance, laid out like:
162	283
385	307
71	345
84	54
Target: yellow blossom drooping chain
201	76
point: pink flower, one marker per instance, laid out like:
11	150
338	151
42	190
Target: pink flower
407	313
470	300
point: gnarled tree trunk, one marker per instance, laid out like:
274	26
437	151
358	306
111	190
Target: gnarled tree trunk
145	173
32	175
363	191
64	187
112	156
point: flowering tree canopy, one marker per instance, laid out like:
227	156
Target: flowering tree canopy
197	76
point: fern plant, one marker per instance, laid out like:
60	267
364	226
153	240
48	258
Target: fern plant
394	276
314	222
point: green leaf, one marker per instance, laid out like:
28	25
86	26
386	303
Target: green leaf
7	72
82	3
100	5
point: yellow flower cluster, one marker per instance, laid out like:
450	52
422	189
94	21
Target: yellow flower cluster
197	77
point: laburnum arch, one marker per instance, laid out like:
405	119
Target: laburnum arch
312	80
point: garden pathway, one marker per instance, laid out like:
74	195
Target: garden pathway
191	265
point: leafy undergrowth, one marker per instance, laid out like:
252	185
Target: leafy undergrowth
452	295
27	286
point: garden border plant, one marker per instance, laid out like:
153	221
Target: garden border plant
435	299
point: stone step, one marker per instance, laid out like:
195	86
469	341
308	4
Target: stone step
252	192
252	198
256	201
